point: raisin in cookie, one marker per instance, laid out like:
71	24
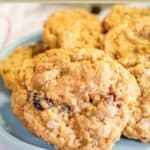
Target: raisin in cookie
11	65
122	14
72	28
75	98
131	47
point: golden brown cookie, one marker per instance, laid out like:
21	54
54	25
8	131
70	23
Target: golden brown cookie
75	98
131	47
10	66
72	28
139	125
122	14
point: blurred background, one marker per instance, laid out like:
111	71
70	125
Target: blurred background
21	19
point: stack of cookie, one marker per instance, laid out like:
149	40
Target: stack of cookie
128	41
87	82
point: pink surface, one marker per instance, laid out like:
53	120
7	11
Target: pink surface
19	20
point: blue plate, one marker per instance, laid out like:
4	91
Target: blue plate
13	132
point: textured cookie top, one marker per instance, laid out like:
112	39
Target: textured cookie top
139	125
75	98
122	14
10	66
72	28
78	70
130	45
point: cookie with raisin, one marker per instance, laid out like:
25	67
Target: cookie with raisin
75	98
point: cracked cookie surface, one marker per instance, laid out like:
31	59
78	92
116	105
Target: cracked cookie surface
72	28
11	65
130	46
123	14
75	98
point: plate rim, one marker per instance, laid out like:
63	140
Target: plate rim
31	38
34	37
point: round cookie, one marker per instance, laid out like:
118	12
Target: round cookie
123	14
127	44
11	65
131	47
72	28
75	98
139	125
